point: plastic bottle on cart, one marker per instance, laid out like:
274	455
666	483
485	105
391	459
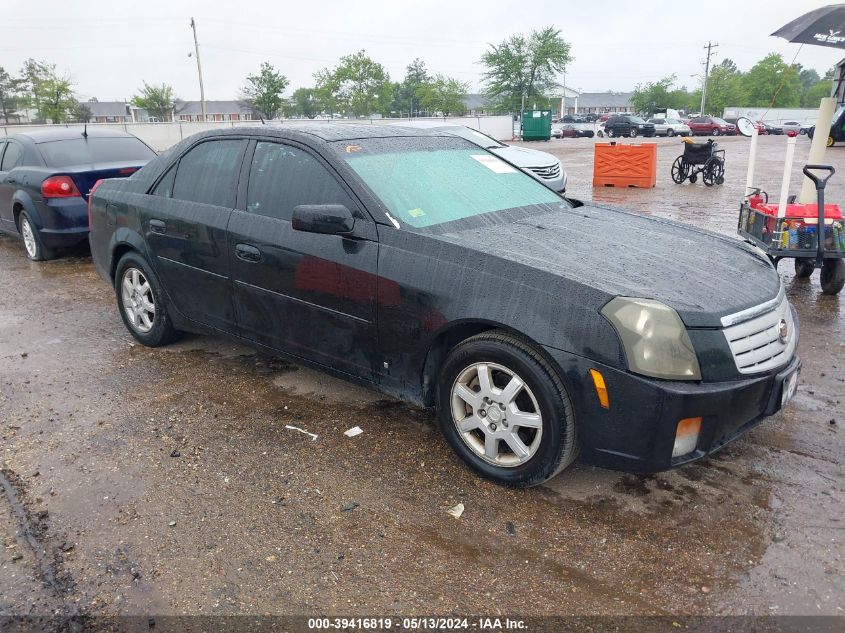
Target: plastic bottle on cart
784	235
793	235
839	236
811	237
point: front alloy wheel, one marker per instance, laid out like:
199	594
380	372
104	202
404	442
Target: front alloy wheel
138	301
496	414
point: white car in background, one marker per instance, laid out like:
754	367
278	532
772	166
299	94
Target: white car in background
542	165
670	127
794	126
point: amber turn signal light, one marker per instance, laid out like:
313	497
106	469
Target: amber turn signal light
601	388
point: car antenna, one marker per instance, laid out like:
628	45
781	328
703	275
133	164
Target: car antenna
85	131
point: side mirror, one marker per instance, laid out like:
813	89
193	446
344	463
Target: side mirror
331	219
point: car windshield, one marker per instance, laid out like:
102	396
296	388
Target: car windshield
425	182
719	121
838	113
672	121
637	119
473	136
83	151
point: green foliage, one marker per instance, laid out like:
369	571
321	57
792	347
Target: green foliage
443	95
81	113
725	87
357	86
407	98
263	92
770	76
10	94
650	96
156	100
815	93
49	93
526	66
305	102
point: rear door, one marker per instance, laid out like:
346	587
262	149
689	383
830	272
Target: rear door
11	155
184	224
309	294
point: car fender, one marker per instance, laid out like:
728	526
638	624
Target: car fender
122	239
23	199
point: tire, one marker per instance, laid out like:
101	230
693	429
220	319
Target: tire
539	452
670	132
802	131
804	267
632	132
693	178
610	133
830	141
680	170
134	280
716	131
712	172
32	244
833	276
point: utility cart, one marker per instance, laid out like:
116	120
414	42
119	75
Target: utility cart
812	234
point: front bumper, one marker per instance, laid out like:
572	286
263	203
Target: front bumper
637	432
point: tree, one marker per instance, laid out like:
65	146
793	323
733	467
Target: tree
156	100
523	65
725	87
444	95
305	102
416	75
646	98
263	92
772	78
812	96
358	85
81	113
48	92
10	97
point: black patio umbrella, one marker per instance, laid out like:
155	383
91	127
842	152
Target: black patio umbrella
822	27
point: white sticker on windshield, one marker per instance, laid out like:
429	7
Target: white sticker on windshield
494	164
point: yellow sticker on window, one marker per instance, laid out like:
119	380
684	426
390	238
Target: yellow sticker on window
416	213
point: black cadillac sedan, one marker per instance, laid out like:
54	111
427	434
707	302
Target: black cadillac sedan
421	265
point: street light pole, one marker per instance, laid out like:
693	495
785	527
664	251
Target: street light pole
199	67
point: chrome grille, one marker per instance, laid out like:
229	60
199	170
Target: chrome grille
756	344
550	172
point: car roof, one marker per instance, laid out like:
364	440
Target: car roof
328	132
70	133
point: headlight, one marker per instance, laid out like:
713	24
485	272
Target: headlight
655	339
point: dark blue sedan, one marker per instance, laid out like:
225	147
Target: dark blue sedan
45	178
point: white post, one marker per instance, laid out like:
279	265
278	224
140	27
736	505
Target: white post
787	175
817	148
752	158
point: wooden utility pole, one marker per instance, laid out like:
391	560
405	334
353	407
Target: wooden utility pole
710	46
199	67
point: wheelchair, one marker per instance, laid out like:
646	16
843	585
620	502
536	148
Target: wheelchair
700	158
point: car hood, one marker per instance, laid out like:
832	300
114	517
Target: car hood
524	156
702	275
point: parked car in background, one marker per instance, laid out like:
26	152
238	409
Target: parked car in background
711	126
591	117
541	165
627	125
604	117
572	118
794	126
670	127
45	177
423	266
837	128
772	128
568	130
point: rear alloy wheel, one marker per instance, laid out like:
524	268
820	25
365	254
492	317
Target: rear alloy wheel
716	131
832	276
504	410
610	133
670	132
804	267
35	249
633	132
141	302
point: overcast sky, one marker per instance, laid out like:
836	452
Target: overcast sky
109	48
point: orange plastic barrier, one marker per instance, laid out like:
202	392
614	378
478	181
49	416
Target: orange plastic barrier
617	165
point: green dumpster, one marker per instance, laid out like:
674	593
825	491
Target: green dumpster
536	125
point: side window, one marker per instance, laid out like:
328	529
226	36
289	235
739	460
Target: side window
12	157
164	188
209	173
282	177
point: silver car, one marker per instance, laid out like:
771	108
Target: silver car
794	126
542	165
670	127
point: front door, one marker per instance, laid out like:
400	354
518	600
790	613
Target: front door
184	225
312	295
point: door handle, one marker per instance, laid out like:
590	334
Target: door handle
247	252
157	226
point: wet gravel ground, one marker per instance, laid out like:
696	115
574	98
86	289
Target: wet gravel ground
139	481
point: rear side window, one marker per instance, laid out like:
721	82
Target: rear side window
81	151
282	177
164	187
12	157
208	173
